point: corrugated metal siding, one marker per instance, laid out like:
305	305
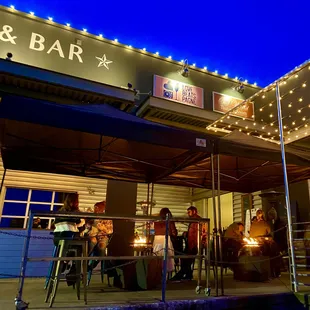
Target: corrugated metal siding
90	190
176	198
237	207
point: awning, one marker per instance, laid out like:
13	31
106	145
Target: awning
25	80
93	141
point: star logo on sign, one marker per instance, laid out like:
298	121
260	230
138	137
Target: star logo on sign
103	61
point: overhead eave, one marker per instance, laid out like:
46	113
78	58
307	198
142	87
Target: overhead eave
183	116
43	84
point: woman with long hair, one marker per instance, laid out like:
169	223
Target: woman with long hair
259	226
67	227
159	240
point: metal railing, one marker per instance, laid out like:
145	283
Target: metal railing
20	304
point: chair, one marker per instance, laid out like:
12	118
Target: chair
60	251
102	267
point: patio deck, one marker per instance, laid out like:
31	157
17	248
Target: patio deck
101	296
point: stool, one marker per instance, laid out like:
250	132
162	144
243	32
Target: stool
63	247
50	268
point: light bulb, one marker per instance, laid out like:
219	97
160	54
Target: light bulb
299	111
205	68
254	124
215	71
169	57
296	136
291	91
245	81
271	124
284	126
255	84
194	65
268	133
304	85
271	115
182	60
236	123
229	126
50	18
270	104
246	127
248	133
236	78
157	53
276	130
84	30
296	76
100	35
115	40
12	7
303	118
296	128
261	109
293	123
263	96
290	105
300	99
31	13
228	117
240	129
68	24
263	127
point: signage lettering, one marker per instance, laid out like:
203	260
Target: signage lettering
5	34
37	44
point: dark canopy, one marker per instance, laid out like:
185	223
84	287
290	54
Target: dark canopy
247	164
92	140
100	141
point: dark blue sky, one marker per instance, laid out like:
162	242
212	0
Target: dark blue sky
258	40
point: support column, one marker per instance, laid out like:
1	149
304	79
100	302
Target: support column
121	201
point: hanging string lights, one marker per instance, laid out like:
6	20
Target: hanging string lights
295	101
169	58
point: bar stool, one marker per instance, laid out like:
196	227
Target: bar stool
63	246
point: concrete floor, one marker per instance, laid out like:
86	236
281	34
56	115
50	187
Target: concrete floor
101	295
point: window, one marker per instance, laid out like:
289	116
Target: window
18	202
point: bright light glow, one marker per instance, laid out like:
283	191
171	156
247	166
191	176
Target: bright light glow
84	29
215	71
254	124
271	115
170	57
115	40
100	35
139	241
129	46
304	85
68	24
291	91
263	127
226	74
205	68
290	105
12	7
245	81
250	242
261	109
296	76
300	99
270	104
157	53
255	84
50	18
194	65
299	111
31	13
144	49
303	118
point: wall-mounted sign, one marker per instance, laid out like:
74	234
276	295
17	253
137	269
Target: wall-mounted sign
176	91
223	103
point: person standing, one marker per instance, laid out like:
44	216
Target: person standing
191	248
159	240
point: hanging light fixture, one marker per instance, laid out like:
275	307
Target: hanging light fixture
185	70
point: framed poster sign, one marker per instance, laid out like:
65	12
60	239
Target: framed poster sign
177	91
224	103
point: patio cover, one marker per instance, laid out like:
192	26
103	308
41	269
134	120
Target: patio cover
100	141
92	140
247	164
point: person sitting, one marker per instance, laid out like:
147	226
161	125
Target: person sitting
259	226
68	228
159	240
98	231
233	241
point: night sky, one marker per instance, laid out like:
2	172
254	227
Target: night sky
258	40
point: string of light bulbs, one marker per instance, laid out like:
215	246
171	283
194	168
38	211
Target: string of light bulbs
143	50
262	123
